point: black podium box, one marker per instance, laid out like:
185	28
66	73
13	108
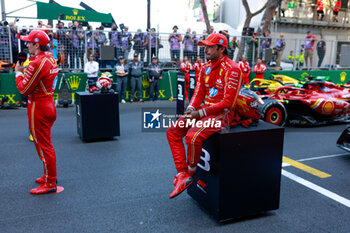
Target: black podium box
97	115
239	173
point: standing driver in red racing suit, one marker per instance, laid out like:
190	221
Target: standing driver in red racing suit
218	86
38	83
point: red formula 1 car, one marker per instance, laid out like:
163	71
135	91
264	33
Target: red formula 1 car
316	103
250	107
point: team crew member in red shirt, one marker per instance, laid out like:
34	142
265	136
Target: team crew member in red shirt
186	66
218	87
337	6
245	68
259	69
38	83
198	65
319	9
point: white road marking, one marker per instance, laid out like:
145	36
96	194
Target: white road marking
315	158
317	188
323	157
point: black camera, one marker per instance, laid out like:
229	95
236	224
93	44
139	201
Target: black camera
114	28
4	23
121	26
50	36
24	31
74	27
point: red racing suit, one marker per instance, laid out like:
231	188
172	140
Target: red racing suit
197	67
38	83
217	86
185	68
259	69
245	68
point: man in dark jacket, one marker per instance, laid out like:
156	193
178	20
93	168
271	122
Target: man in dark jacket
154	74
135	69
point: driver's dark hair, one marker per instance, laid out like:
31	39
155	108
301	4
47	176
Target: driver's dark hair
225	51
44	48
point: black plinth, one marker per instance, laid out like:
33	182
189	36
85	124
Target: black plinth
240	172
97	115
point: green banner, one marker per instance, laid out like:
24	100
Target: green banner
53	11
77	82
336	76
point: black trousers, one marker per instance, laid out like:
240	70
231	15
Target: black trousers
154	87
320	58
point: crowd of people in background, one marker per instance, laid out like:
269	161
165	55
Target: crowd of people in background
72	44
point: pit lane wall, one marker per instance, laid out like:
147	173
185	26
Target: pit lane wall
77	82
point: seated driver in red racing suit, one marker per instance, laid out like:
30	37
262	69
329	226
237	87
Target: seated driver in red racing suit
218	86
38	83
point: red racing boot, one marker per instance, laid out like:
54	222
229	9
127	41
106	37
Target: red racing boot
191	171
181	182
45	188
40	180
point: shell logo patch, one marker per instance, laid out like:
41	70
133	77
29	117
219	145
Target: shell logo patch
328	107
206	79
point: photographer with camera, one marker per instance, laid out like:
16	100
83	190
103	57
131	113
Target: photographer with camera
155	42
188	43
23	32
81	50
140	42
91	38
195	46
114	38
101	40
174	39
52	43
75	36
201	49
62	42
14	40
126	38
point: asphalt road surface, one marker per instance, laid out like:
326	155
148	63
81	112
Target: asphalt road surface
122	185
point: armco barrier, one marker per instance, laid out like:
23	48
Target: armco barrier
77	82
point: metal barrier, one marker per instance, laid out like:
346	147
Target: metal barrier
72	48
